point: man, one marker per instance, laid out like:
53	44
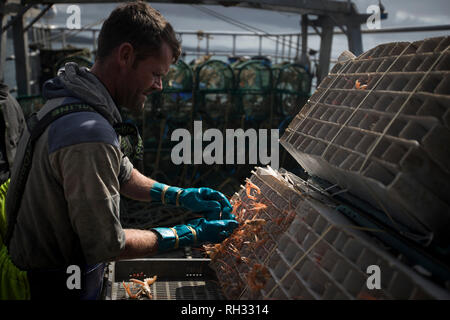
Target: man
11	127
69	212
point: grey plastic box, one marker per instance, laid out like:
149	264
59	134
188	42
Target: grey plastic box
379	127
320	254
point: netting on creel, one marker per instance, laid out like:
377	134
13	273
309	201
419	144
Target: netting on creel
214	85
254	93
292	87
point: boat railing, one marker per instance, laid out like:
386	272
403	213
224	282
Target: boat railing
279	46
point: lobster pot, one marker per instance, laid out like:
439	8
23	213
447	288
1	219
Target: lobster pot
214	84
292	88
214	107
50	60
378	127
309	250
254	93
165	112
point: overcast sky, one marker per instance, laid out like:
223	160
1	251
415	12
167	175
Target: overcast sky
186	17
411	12
401	13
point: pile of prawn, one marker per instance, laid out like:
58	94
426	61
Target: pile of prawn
144	288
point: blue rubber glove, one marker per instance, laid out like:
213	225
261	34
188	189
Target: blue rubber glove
195	232
225	214
206	200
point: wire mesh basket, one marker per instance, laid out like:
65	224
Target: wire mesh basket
254	92
175	100
214	84
292	88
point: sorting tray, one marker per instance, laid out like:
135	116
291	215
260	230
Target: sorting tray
177	279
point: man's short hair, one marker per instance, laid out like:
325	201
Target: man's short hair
140	25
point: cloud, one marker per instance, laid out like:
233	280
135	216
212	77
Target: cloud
407	17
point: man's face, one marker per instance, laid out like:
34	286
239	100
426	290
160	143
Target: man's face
143	78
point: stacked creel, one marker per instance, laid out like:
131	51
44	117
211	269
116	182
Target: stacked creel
325	256
378	127
315	253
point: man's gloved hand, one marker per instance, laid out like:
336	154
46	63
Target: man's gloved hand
225	214
195	232
206	200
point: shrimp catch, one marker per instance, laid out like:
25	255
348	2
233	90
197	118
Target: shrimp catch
238	261
144	288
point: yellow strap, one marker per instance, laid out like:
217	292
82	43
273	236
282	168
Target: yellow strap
177	240
163	194
177	202
194	233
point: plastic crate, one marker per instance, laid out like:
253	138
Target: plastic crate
316	253
323	255
378	126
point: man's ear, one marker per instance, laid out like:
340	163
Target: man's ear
125	55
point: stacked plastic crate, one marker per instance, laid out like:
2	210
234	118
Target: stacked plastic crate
312	252
376	128
323	255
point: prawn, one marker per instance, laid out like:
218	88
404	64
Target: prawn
143	290
249	186
257	277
